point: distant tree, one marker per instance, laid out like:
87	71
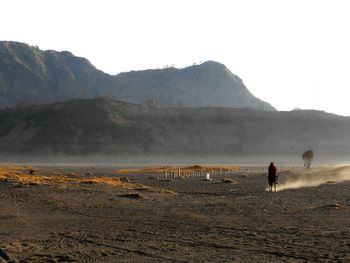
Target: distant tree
308	156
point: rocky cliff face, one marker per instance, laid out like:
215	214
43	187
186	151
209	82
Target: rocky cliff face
108	127
30	75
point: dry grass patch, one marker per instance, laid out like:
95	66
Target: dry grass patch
72	174
20	176
17	174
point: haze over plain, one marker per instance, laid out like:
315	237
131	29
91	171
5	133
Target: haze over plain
293	54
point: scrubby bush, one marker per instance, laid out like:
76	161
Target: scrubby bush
308	156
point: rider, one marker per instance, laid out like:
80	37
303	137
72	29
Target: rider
272	177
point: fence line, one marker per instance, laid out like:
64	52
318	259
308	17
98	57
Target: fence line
243	170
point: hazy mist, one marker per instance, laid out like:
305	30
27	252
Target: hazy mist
315	178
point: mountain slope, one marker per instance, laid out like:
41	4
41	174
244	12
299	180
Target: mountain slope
29	75
107	127
210	84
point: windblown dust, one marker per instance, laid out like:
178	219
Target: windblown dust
315	178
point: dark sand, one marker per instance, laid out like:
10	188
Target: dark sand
204	221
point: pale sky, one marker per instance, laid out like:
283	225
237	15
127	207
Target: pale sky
291	53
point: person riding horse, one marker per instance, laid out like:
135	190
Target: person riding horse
272	177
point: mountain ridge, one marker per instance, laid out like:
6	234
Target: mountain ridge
30	75
100	126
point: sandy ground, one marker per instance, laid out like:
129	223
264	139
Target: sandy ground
177	220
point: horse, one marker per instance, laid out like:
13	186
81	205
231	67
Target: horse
273	183
272	177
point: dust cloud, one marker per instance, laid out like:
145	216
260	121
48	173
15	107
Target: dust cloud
316	178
